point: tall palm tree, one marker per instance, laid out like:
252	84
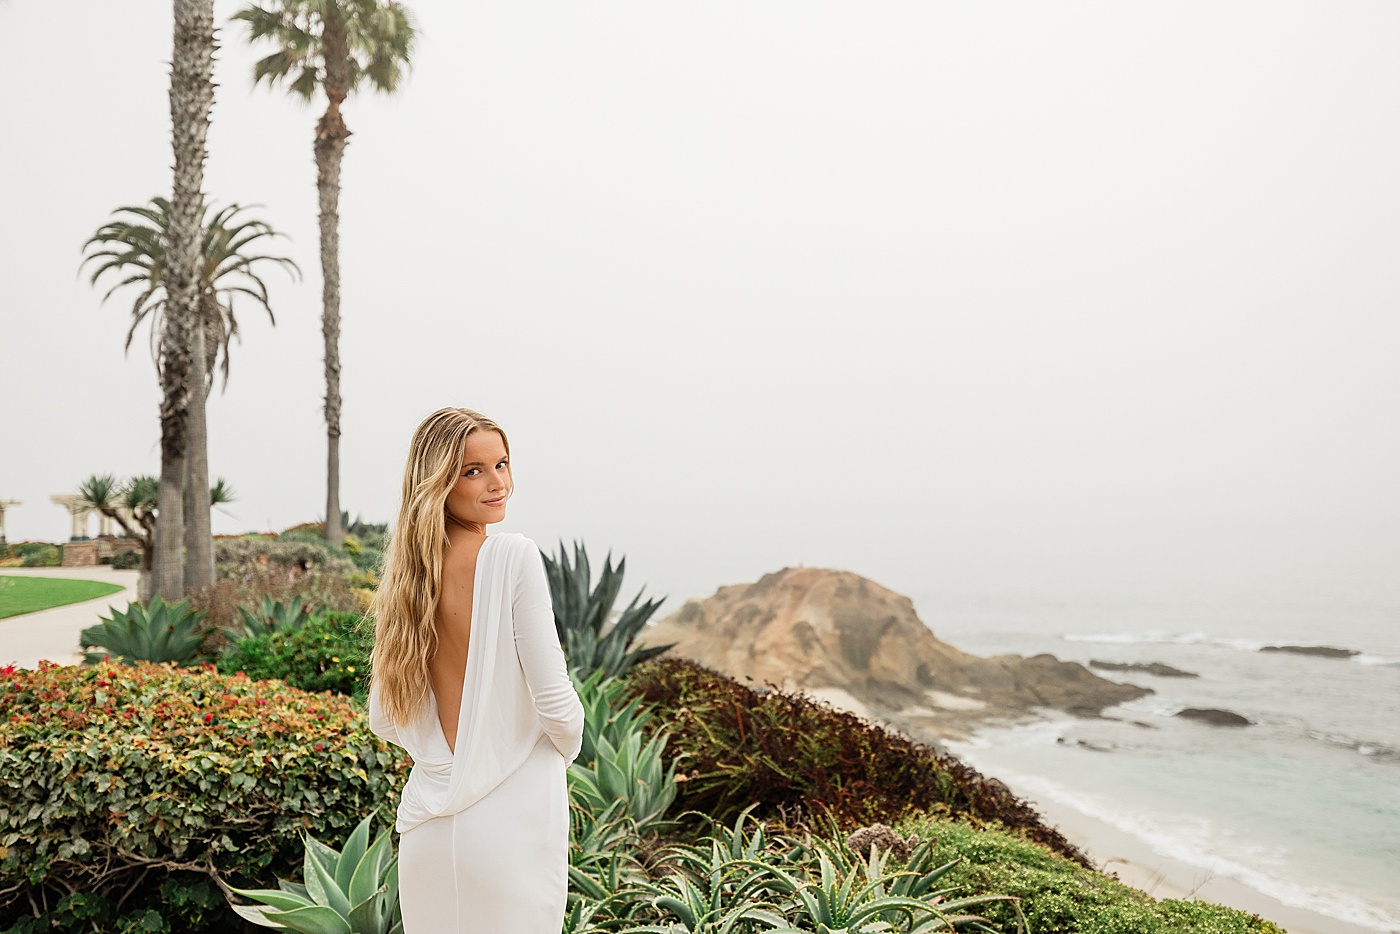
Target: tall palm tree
335	46
182	343
135	246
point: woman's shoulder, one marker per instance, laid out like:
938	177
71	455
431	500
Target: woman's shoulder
515	544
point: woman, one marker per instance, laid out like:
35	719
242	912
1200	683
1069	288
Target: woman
469	677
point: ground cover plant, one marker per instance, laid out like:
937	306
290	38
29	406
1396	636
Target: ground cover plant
1058	895
31	594
128	786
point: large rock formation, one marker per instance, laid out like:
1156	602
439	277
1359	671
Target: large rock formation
860	646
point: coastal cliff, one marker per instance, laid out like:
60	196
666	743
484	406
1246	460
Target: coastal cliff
861	647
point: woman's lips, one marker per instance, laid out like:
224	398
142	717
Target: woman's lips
494	502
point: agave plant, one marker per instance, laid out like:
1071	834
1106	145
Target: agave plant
270	617
629	769
582	612
354	891
156	632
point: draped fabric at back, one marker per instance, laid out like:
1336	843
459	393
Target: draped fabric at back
497	727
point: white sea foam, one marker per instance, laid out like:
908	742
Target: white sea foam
1161	637
1194	840
1153	705
1365	659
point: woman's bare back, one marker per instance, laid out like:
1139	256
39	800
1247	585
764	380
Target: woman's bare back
447	669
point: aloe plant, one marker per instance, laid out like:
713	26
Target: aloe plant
354	891
605	714
632	771
582	612
156	632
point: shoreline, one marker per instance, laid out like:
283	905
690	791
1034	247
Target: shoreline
1135	863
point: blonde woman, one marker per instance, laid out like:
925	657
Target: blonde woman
469	678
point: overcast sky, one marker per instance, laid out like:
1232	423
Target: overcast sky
1015	297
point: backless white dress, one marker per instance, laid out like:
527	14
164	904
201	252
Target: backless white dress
484	832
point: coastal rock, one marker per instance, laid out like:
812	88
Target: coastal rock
861	647
1147	668
1214	716
1321	651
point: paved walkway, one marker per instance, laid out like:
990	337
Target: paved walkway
53	634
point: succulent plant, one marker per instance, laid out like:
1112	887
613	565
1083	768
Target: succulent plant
354	891
156	632
581	614
270	617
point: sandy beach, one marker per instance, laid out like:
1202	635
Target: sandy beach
1138	865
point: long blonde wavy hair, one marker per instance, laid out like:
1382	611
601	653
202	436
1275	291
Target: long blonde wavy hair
405	603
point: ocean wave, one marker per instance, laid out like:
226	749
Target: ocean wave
1196	637
1377	752
1193	840
1161	637
1153	704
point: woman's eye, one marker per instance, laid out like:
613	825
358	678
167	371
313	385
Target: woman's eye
502	464
471	472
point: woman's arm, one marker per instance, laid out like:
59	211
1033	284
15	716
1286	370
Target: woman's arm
542	658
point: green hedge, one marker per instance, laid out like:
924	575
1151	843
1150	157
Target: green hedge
114	779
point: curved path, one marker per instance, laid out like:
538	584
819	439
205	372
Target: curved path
53	634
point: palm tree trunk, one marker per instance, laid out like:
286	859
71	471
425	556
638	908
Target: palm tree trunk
331	137
191	99
199	543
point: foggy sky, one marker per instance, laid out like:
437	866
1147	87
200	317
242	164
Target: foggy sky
1071	298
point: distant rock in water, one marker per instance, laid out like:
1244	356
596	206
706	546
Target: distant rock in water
1147	668
1214	717
1321	651
861	647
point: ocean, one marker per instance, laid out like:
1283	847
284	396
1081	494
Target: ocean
1302	805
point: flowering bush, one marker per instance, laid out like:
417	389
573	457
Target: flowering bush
116	777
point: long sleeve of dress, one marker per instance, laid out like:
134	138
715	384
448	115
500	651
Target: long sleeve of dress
542	658
379	724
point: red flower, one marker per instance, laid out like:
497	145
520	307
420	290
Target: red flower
318	747
208	717
102	684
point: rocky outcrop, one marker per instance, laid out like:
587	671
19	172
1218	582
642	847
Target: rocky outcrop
1147	668
1213	716
1321	651
861	647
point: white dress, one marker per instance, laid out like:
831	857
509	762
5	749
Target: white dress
484	832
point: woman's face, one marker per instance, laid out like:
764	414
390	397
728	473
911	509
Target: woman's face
483	485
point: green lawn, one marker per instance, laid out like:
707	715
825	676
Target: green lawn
31	594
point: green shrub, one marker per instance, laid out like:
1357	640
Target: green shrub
126	560
1059	896
37	554
799	758
237	557
116	777
330	652
157	632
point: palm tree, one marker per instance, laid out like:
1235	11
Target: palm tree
133	505
135	246
181	362
335	46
